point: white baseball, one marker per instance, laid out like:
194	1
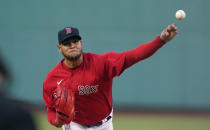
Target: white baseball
180	14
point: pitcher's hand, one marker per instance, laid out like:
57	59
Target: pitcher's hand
169	33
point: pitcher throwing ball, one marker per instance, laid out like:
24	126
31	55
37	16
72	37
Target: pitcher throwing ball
78	91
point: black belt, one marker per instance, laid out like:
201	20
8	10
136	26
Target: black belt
99	123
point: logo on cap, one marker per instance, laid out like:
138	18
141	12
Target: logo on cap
68	30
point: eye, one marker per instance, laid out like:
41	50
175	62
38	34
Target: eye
65	43
75	41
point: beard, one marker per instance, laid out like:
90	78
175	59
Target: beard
73	58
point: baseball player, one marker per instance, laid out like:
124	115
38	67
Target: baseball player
78	91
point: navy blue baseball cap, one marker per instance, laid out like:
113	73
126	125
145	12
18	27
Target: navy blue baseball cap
68	32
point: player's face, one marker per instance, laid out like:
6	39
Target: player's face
71	49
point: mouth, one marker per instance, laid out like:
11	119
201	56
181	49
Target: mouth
72	50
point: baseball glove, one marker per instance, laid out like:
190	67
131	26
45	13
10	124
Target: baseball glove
64	104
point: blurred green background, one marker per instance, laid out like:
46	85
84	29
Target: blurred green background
176	77
145	122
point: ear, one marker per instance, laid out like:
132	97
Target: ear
59	48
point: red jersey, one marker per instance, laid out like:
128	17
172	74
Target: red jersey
92	81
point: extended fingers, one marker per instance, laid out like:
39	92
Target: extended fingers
169	33
172	28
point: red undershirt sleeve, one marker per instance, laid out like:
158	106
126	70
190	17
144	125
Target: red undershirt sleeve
142	52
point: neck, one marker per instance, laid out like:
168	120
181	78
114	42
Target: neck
73	64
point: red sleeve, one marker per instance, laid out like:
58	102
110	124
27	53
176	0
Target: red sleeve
116	63
142	52
49	89
51	116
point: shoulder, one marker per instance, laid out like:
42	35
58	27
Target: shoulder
91	56
112	55
99	56
53	71
54	75
104	57
97	59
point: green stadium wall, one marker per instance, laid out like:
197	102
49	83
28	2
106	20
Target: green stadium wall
177	76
